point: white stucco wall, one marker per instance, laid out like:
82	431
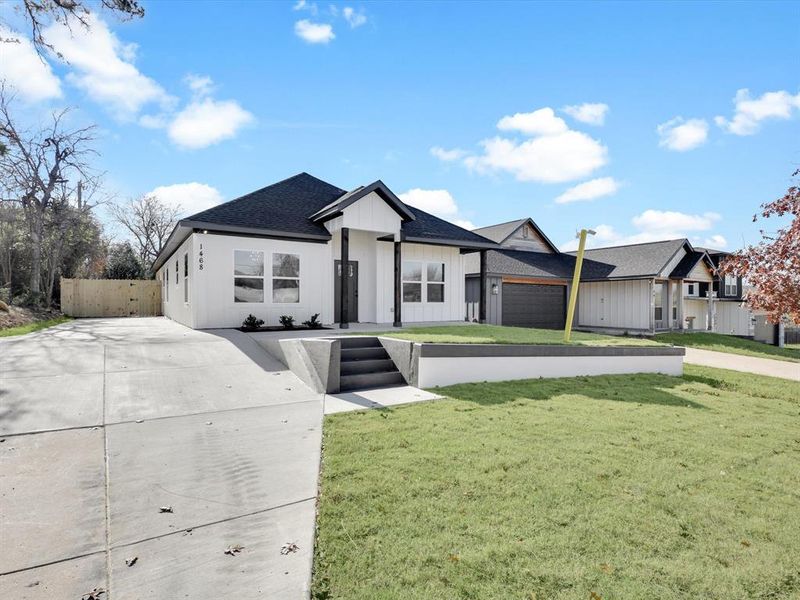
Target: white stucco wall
618	304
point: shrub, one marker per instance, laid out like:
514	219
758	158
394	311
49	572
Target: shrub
251	322
313	322
287	321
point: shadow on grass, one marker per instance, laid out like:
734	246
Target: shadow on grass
637	389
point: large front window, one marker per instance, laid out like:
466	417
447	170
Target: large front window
285	278
419	277
248	276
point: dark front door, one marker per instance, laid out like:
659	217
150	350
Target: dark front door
352	291
532	305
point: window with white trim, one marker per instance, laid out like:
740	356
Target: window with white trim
731	285
248	276
285	278
692	289
418	276
177	272
166	283
186	278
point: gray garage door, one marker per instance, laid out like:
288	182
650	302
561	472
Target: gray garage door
531	305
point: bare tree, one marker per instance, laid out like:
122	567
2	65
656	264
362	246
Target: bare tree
149	220
36	167
40	13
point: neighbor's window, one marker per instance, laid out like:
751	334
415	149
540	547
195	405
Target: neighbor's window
285	278
435	288
412	281
248	276
177	272
731	285
186	277
691	289
166	283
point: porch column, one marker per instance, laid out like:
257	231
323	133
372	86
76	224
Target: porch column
398	285
483	300
680	316
345	262
668	304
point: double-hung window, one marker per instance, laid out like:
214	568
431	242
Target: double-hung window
285	278
186	278
248	276
419	276
731	286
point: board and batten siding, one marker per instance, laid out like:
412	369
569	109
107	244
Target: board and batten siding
494	306
700	272
172	292
533	242
618	304
733	318
213	285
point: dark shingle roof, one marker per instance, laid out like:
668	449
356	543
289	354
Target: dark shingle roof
498	233
287	207
284	206
524	263
688	263
635	260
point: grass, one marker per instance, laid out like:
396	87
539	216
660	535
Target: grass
31	327
497	334
612	487
728	343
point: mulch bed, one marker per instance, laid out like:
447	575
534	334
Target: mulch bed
281	328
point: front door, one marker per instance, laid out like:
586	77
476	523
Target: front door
352	291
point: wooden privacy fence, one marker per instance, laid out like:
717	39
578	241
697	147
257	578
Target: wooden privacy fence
110	298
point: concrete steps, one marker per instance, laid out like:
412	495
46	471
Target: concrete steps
365	364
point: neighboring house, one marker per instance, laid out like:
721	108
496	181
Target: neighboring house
635	288
731	315
279	251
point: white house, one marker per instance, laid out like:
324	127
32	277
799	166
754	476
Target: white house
280	250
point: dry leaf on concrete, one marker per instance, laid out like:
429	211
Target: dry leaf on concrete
234	549
289	548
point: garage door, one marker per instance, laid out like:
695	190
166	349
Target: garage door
534	305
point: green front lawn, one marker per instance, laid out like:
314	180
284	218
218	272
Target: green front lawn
730	344
497	334
612	487
31	327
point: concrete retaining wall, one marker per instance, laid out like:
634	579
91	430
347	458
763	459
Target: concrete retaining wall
447	364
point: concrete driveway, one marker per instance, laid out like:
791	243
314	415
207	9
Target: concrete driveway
104	421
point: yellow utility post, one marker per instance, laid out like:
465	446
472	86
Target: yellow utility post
576	277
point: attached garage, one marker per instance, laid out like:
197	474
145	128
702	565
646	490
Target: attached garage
543	306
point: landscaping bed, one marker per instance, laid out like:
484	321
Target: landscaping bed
499	334
280	328
632	486
727	343
18	320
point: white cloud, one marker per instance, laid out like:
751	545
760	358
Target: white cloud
191	197
205	122
549	159
22	69
653	226
715	242
437	202
314	33
661	220
589	190
448	155
201	85
553	153
591	113
749	112
680	134
304	5
355	19
103	67
539	122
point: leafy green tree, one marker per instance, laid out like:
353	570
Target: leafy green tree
123	263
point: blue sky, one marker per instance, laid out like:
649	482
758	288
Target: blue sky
461	108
